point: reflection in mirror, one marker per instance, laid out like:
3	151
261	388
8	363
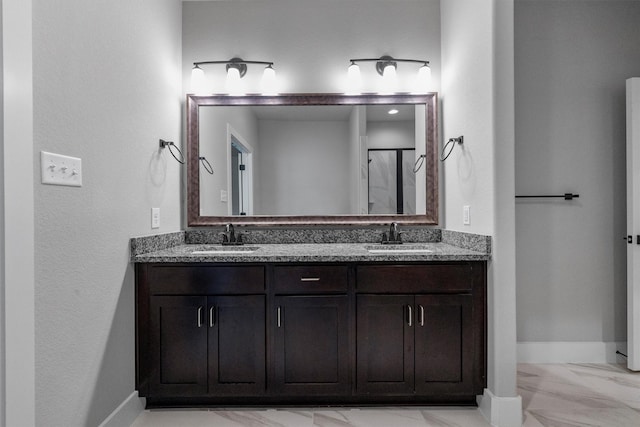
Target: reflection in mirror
241	167
392	182
296	159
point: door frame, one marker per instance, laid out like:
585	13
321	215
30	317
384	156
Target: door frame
633	223
247	183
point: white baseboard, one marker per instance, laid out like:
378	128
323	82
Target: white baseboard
570	352
126	413
501	411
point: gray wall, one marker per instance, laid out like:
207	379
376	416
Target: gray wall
466	109
19	218
213	146
310	41
2	284
572	60
358	175
107	87
389	134
304	168
476	55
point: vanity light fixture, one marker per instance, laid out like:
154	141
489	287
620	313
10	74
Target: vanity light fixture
387	69
234	84
386	66
423	79
354	80
236	69
268	84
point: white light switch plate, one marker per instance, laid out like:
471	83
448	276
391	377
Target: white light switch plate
466	215
155	217
57	169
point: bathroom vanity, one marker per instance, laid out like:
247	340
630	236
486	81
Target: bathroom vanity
313	314
310	324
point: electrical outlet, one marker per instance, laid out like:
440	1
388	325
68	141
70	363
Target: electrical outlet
466	215
155	217
57	169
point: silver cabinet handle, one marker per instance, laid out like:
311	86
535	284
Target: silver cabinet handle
278	312
410	315
421	315
212	316
200	317
309	279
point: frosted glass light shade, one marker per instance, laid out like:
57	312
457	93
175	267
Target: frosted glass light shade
389	81
423	79
269	83
354	80
198	81
234	83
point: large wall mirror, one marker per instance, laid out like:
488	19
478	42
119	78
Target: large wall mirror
312	159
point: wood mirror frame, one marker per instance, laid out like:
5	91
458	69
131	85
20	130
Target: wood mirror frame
194	102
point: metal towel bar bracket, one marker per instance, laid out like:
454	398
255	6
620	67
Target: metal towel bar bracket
171	146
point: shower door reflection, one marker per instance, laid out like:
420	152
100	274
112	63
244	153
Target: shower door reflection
392	182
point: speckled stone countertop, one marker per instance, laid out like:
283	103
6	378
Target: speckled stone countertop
179	247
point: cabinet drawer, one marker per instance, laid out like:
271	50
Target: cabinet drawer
415	278
206	279
303	279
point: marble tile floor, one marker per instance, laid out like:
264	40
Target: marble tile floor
579	395
553	395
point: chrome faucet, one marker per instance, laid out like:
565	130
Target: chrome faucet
229	236
394	236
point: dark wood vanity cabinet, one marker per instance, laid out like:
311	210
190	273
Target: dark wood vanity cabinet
414	345
202	345
228	334
200	331
421	330
311	330
237	352
178	345
311	345
385	343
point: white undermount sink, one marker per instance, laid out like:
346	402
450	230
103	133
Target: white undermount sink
225	250
398	249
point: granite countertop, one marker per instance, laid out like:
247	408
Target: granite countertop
311	252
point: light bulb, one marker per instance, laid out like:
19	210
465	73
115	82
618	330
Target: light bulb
354	80
269	84
423	79
389	79
198	81
234	83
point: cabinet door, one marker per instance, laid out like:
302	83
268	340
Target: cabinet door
237	345
311	345
444	344
384	335
178	345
